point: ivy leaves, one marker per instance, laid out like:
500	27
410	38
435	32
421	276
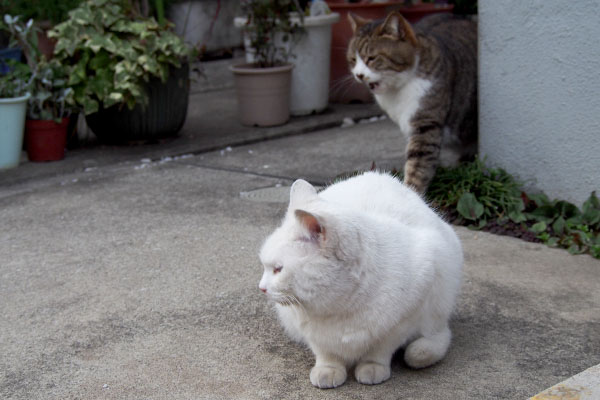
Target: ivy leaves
110	53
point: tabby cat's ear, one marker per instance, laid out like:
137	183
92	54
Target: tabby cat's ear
356	22
397	28
310	222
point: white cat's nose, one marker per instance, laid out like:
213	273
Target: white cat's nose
360	76
262	285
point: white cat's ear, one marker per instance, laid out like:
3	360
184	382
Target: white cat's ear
397	28
315	230
356	22
301	192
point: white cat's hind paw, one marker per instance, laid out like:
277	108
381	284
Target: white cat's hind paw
424	352
370	373
327	377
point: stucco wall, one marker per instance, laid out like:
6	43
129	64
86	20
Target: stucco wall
540	93
193	20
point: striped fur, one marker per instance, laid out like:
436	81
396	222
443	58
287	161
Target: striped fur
425	78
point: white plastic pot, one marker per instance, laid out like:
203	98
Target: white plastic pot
311	58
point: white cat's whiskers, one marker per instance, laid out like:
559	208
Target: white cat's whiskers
297	306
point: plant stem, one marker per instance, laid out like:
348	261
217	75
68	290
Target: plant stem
160	11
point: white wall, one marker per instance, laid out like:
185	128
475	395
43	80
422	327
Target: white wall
193	20
539	93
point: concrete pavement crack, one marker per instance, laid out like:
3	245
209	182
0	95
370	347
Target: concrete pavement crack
252	173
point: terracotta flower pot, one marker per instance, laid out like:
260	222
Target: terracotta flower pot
46	140
263	94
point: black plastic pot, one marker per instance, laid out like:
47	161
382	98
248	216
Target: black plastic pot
163	117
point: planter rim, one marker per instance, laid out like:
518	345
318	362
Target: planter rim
251	69
46	122
350	6
13	100
317	20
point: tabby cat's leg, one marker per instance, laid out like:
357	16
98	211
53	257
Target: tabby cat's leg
422	156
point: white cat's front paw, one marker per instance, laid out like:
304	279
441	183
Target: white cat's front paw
327	377
370	373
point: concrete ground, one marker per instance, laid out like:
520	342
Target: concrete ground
132	273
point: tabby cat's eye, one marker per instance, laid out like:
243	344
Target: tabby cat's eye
277	269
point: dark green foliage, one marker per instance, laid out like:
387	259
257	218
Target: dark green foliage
16	82
111	52
478	193
481	196
47	80
560	223
54	11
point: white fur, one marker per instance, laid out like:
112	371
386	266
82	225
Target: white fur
383	272
397	93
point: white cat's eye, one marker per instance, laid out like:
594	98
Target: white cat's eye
277	269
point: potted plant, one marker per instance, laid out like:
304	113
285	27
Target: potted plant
129	73
47	113
13	106
47	116
263	86
311	56
44	13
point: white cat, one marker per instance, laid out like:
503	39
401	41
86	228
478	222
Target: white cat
359	270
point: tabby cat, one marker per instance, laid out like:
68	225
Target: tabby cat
425	78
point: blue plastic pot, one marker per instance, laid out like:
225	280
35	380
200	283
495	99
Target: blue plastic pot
13	53
12	124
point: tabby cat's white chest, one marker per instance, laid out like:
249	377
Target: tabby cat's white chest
402	104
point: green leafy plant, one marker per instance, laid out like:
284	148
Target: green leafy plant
561	224
271	29
486	198
477	193
49	92
16	82
111	51
46	81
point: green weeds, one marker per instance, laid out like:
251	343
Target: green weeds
490	199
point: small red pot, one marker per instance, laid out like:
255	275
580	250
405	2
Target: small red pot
46	140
